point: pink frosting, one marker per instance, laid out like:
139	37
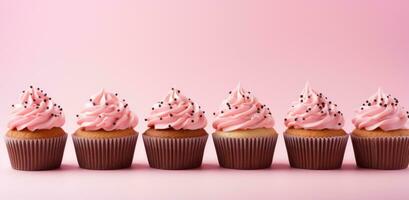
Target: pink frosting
177	112
242	111
381	111
105	111
36	111
314	111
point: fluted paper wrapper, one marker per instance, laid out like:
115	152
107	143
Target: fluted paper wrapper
174	153
318	153
245	153
381	152
105	153
36	154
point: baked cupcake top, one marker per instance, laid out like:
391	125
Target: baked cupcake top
177	112
242	111
36	111
314	111
381	111
105	111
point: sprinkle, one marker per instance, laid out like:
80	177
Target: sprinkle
31	86
171	107
229	92
265	117
77	115
222	111
295	119
339	124
301	96
200	115
106	104
178	91
25	106
214	113
170	126
303	118
236	107
153	108
171	114
175	99
146	119
385	105
160	118
114	123
173	88
335	115
90	99
285	119
301	100
160	105
118	110
362	108
193	121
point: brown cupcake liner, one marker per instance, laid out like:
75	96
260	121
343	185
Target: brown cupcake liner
245	153
319	153
381	152
175	153
105	153
36	154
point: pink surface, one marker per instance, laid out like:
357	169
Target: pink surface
140	49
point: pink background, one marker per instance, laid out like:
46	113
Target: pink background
140	49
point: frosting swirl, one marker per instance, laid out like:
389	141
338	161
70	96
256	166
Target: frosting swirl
106	111
36	111
241	111
381	111
314	111
177	112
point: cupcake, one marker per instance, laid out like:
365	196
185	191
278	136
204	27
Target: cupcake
106	138
381	137
176	138
314	137
244	136
35	140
